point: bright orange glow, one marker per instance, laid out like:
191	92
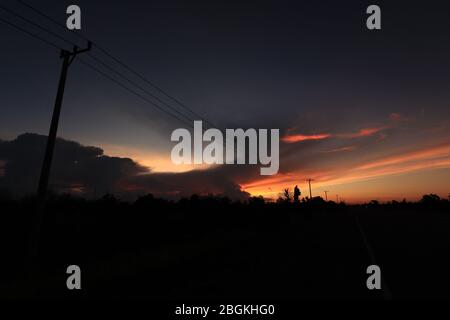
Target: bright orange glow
364	132
383	177
417	161
156	162
431	153
302	137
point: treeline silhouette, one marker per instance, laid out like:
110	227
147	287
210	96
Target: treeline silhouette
212	247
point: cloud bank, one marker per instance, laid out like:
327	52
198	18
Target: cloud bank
87	171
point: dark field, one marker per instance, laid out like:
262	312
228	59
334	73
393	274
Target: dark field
214	249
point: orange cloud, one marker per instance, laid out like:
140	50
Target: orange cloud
301	137
437	152
364	132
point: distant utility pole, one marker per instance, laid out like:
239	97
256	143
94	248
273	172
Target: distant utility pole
337	198
309	182
67	57
326	195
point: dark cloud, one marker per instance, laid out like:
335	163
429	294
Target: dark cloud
176	185
86	170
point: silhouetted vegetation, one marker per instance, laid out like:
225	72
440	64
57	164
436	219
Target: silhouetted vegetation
213	247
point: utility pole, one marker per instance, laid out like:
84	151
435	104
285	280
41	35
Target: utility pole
326	195
337	198
68	58
309	182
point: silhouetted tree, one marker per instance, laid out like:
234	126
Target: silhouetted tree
430	198
287	195
297	194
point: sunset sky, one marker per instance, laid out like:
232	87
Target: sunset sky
364	113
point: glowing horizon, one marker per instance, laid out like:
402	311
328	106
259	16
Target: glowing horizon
415	162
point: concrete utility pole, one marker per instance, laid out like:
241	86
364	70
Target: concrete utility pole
326	195
67	57
309	182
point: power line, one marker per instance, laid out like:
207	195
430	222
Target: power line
94	68
97	60
153	85
137	85
36	25
30	33
124	65
130	90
